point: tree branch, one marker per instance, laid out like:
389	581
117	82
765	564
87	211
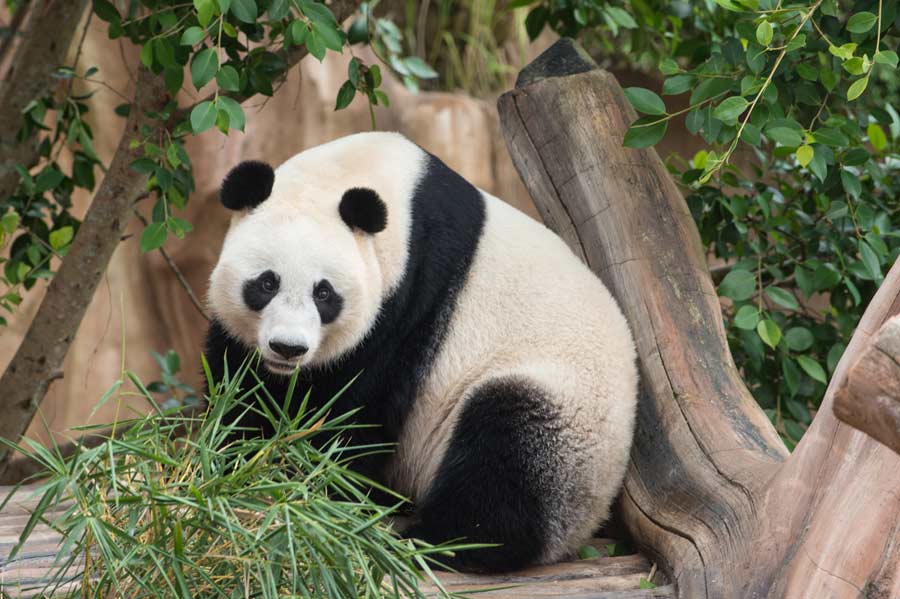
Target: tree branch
44	347
177	272
43	48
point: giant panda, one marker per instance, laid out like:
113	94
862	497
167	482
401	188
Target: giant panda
498	365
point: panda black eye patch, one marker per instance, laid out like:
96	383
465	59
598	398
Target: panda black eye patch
328	301
259	291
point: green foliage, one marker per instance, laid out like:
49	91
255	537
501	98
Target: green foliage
806	222
231	50
171	508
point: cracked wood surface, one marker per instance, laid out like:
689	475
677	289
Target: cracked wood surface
711	492
870	398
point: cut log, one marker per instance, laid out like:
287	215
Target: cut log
869	400
711	493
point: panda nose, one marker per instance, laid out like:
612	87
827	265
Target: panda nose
286	350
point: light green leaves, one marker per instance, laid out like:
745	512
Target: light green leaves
204	67
861	22
645	132
738	285
192	35
747	318
769	332
645	101
203	117
857	88
876	136
730	109
764	32
804	155
233	110
812	368
228	79
205	9
783	298
61	237
786	136
888	57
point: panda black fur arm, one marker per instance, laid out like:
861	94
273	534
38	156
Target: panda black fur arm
447	219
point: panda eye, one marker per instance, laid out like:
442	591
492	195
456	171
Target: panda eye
322	292
269	283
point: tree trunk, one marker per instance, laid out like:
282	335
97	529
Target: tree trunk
869	399
42	50
39	358
711	492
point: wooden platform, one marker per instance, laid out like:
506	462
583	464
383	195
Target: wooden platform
603	577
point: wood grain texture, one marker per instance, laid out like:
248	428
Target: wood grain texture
710	492
870	398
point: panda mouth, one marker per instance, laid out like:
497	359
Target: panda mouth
280	367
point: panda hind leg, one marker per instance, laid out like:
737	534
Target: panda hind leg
501	480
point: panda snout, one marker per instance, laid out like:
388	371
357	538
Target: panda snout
287	351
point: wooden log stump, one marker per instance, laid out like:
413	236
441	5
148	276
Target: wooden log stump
711	492
869	399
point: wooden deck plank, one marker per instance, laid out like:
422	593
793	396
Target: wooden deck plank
599	578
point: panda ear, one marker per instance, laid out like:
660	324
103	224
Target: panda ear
362	208
247	185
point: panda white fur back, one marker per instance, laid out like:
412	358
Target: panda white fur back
498	363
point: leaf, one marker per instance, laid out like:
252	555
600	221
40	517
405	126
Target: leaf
710	88
204	10
844	52
786	136
769	332
870	260
622	18
782	298
645	132
831	137
764	32
834	356
345	95
861	22
420	68
888	57
588	552
798	410
643	583
678	84
236	118
804	154
738	285
746	318
153	236
192	35
812	368
851	183
331	36
791	374
299	31
669	67
203	117
204	67
61	237
146	55
103	9
244	10
535	21
730	109
857	88
645	101
876	136
227	78
818	165
10	222
798	338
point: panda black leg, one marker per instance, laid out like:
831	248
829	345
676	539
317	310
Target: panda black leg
498	480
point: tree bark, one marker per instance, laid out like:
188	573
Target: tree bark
43	48
869	399
711	492
39	358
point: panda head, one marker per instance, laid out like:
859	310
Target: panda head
307	261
